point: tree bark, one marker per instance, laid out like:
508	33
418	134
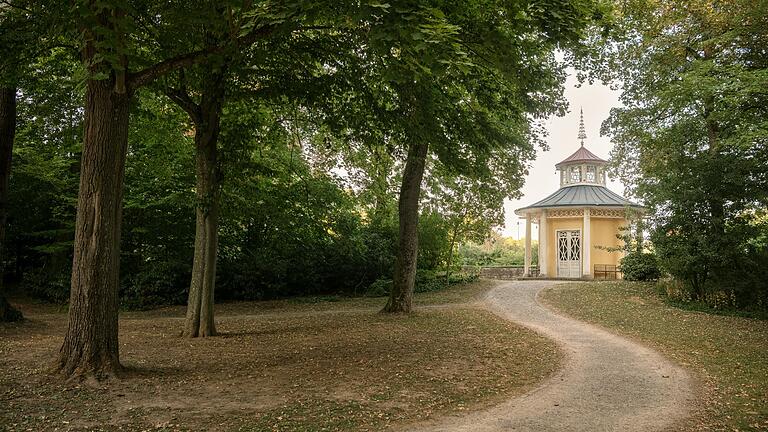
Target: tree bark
7	134
449	263
200	315
207	117
90	347
401	296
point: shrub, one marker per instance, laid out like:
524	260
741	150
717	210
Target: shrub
379	288
154	284
426	281
48	286
639	266
463	277
674	290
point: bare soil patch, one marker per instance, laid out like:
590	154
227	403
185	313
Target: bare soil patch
282	366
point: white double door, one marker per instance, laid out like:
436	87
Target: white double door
569	253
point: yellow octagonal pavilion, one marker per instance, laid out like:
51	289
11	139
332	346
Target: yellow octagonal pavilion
579	224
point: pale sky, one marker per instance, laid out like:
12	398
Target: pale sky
542	180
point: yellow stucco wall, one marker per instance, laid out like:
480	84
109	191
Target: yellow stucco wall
603	233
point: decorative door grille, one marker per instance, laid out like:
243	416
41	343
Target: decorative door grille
562	248
569	253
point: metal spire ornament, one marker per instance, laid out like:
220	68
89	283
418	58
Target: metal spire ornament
582	132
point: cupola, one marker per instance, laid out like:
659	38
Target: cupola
582	167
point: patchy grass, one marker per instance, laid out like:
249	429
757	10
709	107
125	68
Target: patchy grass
729	354
456	294
280	366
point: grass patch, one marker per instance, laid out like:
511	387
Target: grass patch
455	294
729	354
284	366
759	314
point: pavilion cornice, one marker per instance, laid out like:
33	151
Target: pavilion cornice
599	211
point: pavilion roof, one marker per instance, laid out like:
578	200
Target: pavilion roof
582	196
581	155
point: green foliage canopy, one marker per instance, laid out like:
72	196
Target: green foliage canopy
693	137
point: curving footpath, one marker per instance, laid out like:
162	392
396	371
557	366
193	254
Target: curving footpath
608	383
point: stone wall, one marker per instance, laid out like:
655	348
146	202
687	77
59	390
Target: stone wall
504	273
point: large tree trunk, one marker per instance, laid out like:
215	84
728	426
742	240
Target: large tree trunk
90	347
401	296
7	133
200	313
200	316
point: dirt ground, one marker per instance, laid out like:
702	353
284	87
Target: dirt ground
309	365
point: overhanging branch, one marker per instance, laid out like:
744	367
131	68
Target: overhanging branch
146	76
182	99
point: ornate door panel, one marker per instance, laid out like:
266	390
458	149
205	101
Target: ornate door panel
569	253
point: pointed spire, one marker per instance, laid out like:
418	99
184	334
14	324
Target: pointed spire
582	132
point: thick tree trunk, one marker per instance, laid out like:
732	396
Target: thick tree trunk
90	347
401	296
7	133
200	318
207	116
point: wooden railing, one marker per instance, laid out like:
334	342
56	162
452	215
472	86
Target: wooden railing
606	271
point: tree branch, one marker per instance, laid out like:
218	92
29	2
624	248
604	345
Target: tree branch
146	76
255	35
151	73
15	6
315	27
181	98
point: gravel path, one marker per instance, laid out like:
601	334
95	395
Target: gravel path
608	383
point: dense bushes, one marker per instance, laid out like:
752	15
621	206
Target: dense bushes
426	281
741	287
640	266
155	283
727	271
693	150
497	251
286	229
305	238
47	285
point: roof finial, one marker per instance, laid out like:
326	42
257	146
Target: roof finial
582	131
